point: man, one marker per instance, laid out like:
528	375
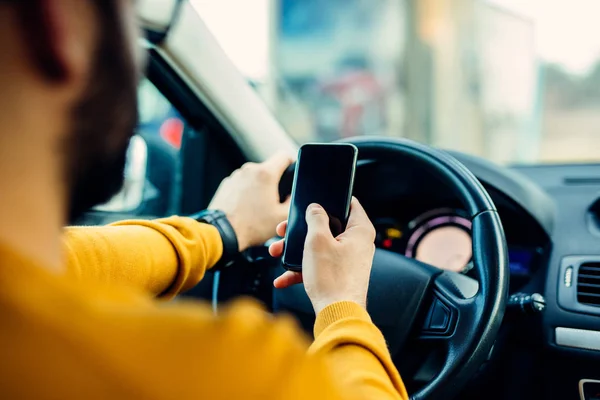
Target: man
67	106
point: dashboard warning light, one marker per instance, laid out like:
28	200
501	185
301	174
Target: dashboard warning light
393	233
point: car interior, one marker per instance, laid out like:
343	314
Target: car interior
486	278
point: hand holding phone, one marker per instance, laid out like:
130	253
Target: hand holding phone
334	268
324	175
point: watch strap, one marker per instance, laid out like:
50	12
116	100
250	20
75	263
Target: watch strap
218	219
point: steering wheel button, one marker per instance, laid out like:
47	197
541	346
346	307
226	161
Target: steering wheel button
440	317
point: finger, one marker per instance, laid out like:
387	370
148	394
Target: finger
318	223
278	163
249	165
287	279
276	248
281	228
358	222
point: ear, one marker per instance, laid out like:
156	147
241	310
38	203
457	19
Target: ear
54	37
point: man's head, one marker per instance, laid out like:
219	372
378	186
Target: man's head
84	51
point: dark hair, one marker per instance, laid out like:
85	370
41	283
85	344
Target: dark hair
34	28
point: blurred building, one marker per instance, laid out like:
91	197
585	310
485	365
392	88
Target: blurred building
459	74
343	59
473	79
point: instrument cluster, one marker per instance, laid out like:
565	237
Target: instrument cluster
442	237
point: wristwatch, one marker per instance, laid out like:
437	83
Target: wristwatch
219	220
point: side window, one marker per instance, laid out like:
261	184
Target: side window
152	173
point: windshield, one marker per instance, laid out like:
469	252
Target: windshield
514	81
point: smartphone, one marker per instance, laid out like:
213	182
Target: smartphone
324	175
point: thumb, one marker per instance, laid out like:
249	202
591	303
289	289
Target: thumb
358	216
358	221
317	221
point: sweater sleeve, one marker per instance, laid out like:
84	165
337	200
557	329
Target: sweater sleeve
163	257
96	341
182	351
353	347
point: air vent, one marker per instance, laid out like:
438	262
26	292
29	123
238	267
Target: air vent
588	284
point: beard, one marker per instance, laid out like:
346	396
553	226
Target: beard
104	119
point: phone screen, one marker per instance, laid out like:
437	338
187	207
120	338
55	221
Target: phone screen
324	175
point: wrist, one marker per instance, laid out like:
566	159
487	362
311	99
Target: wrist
320	305
243	242
219	220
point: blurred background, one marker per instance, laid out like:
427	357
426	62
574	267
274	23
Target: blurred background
514	81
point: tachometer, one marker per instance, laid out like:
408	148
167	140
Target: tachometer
441	238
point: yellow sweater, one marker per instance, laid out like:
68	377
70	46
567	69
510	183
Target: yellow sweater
97	333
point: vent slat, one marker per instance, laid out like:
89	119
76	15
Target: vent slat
597	269
588	284
587	275
590	273
589	294
590	267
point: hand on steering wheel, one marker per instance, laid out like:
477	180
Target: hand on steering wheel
250	200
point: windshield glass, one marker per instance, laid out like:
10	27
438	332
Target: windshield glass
514	81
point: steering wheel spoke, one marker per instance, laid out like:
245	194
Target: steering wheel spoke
452	306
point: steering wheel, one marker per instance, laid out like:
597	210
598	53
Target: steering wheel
409	299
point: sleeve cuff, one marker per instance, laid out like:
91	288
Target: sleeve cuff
339	311
213	236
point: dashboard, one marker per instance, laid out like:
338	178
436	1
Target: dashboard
439	237
417	216
442	237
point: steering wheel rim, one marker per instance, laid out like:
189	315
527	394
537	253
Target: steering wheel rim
404	288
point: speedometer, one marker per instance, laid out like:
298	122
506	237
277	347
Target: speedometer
441	238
